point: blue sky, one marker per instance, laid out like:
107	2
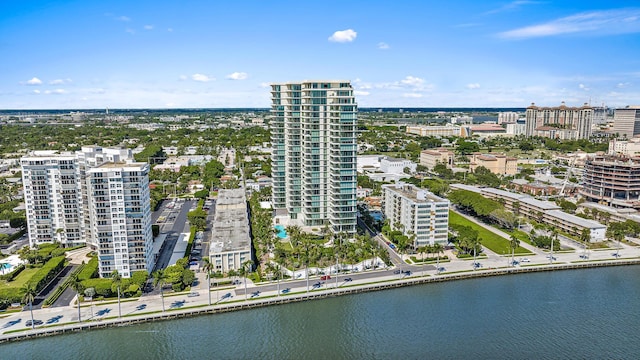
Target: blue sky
457	53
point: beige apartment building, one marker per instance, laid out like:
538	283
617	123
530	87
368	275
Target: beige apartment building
562	122
431	157
496	163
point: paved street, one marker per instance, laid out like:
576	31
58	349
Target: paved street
98	311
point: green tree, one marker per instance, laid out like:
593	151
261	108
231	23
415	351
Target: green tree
76	285
30	293
208	267
198	219
514	242
116	280
159	279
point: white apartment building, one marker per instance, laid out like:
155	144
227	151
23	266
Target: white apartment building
61	204
120	216
52	198
230	244
313	136
507	117
415	211
436	130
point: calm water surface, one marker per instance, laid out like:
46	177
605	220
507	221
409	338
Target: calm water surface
579	314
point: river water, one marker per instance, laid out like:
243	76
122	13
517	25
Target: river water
578	314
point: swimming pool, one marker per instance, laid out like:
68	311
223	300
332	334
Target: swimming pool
282	233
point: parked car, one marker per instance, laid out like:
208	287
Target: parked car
325	277
194	294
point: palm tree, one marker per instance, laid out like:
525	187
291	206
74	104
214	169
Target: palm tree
116	279
514	242
208	266
554	236
438	248
246	269
475	242
76	285
159	278
618	235
28	297
585	236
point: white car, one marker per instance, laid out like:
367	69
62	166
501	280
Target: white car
525	260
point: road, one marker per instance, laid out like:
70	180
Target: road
97	311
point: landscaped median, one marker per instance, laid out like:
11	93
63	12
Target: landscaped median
489	239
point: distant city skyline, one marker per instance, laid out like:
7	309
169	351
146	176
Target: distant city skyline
464	53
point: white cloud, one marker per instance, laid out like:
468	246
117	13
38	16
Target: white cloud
412	95
342	36
36	91
514	5
607	22
383	46
170	29
34	81
412	81
148	27
473	86
123	18
237	76
55	92
264	85
583	87
361	93
130	31
622	85
59	81
201	78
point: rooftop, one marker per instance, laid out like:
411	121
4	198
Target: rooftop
576	220
414	193
231	222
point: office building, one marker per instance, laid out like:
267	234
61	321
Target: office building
562	122
313	135
432	157
496	163
612	181
626	122
625	148
418	213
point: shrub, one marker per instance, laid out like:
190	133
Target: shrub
47	272
139	278
13	274
90	271
102	286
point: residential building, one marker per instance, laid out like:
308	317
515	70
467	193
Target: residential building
52	197
230	244
562	122
96	196
544	212
507	117
625	148
419	214
120	216
626	121
516	128
313	135
612	180
496	163
432	157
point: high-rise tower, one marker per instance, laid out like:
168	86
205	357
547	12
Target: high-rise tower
313	135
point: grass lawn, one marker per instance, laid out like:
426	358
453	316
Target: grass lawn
492	241
21	279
